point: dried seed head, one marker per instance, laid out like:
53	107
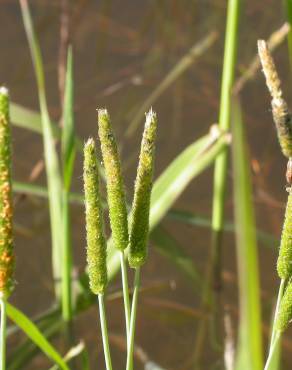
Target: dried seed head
6	237
284	264
114	180
281	114
285	311
96	243
142	195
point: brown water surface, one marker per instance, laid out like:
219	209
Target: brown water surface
122	50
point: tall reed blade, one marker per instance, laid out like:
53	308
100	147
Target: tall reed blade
249	350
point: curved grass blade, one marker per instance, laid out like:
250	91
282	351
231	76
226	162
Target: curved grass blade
31	330
249	354
187	165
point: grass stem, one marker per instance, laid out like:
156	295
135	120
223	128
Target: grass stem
133	320
272	350
275	335
3	334
125	292
104	332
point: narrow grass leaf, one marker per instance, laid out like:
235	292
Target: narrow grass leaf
68	133
51	158
68	158
31	330
185	217
42	191
249	354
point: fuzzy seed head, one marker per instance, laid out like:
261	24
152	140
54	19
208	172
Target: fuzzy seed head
142	195
6	236
115	185
281	114
96	243
285	311
284	264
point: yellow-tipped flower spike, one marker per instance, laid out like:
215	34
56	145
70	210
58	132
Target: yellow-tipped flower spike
142	195
284	264
285	311
281	114
6	238
114	181
96	243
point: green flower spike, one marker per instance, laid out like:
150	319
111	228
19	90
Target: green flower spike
284	264
96	243
115	186
142	195
6	239
285	311
281	114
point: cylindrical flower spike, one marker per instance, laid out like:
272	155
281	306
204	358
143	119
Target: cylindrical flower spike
96	243
115	186
6	237
142	195
285	310
284	264
281	114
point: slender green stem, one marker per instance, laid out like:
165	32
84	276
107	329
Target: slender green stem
280	295
274	345
133	320
125	292
220	174
104	333
67	261
275	336
3	334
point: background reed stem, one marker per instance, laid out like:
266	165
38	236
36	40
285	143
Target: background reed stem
131	340
104	332
3	334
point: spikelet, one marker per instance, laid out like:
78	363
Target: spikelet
96	243
281	114
114	180
142	195
6	237
284	264
285	311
